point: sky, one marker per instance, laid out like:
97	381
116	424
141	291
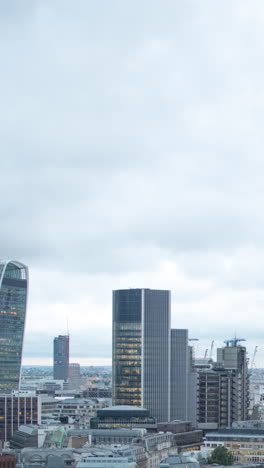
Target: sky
131	138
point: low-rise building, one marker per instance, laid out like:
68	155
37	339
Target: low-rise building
7	460
16	410
180	461
122	416
246	445
81	410
119	457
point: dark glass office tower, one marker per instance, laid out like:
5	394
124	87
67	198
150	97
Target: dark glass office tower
61	357
141	350
13	303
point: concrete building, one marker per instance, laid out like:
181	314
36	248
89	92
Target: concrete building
61	351
74	376
223	389
141	350
79	410
13	303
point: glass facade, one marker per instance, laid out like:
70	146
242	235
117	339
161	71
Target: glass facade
141	350
13	302
127	337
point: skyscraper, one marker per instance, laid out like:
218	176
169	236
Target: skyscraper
141	350
61	357
179	374
13	303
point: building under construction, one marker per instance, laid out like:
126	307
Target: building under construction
223	388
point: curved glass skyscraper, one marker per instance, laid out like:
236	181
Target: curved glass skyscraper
13	302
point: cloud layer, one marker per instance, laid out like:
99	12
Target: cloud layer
131	143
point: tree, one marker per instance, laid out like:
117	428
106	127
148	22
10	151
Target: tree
221	456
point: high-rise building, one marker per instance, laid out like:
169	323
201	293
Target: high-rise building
141	350
179	374
223	389
61	346
13	302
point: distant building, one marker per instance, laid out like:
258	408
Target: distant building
61	357
74	376
97	392
13	302
141	350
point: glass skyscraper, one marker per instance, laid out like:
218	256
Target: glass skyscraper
13	302
141	350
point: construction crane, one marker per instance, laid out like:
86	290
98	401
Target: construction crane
211	350
205	354
234	341
253	358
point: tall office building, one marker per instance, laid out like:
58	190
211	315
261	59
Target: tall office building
13	302
141	350
61	346
179	374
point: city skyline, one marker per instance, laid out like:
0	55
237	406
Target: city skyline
132	140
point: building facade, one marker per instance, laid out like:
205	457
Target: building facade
223	389
13	303
61	345
17	410
141	350
179	374
246	445
122	416
74	376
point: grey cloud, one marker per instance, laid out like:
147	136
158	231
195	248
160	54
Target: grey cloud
131	134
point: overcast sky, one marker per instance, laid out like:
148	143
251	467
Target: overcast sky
132	143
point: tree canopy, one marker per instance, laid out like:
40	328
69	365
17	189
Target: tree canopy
221	456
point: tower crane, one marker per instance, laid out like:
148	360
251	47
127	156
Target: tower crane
234	341
211	350
253	358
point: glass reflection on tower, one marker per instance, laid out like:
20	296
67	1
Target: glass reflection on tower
13	302
127	333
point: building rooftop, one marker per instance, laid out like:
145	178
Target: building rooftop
124	408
